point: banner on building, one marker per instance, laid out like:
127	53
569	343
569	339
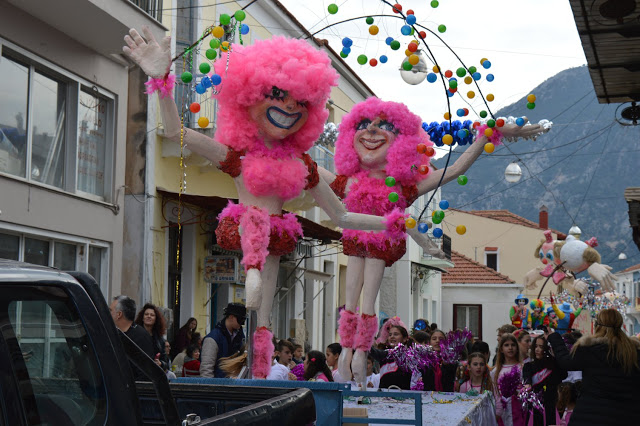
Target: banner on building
221	269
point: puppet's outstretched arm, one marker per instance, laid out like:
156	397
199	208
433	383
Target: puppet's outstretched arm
426	243
155	60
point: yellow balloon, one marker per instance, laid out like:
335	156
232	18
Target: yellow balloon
447	116
531	98
482	60
489	148
490	97
468	79
488	132
408	53
471	94
410	223
461	229
436	69
224	46
414	59
203	122
373	30
217	32
447	139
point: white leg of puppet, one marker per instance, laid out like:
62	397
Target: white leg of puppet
255	229
348	322
263	337
368	322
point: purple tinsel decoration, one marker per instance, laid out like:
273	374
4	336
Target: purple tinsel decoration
453	344
529	399
509	383
414	358
298	371
419	386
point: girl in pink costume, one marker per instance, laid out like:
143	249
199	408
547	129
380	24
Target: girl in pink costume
271	108
377	140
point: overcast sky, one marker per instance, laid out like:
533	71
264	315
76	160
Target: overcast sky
526	41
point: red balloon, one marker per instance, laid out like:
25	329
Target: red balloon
410	12
452	90
448	73
423	169
466	111
412	47
194	107
422	148
373	62
430	151
476	124
423	34
499	122
397	8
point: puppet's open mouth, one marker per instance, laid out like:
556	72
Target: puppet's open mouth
281	119
372	144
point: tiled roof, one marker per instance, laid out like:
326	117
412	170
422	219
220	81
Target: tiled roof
509	217
468	271
630	268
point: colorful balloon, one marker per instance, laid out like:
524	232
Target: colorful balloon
333	8
240	15
203	122
461	229
393	197
410	223
423	228
444	204
437	232
462	180
194	107
383	59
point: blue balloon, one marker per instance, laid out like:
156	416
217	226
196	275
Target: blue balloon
437	232
444	204
206	82
411	19
347	42
388	40
462	134
450	94
346	50
383	59
216	79
200	89
405	30
486	65
490	77
423	228
432	77
453	79
476	75
460	112
244	29
520	121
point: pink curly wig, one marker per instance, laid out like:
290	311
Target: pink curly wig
402	155
384	330
289	64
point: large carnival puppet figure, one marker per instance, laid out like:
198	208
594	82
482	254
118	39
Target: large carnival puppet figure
271	109
378	140
520	314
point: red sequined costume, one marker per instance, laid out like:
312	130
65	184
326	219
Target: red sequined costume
285	229
371	196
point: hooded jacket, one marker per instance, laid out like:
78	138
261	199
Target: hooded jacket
609	396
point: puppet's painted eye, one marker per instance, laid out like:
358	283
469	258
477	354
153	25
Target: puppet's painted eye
277	93
385	125
550	255
302	103
363	124
541	254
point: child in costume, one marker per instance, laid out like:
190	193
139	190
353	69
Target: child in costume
271	109
477	375
551	320
507	376
520	314
379	140
537	314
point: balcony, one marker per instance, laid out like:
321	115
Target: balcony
152	7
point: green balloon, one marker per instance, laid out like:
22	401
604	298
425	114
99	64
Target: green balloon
225	19
333	8
214	43
436	220
390	181
369	20
491	123
472	69
362	59
211	54
407	66
453	84
460	72
393	197
439	215
204	68
483	113
186	77
240	15
435	4
395	45
462	180
343	55
531	105
442	28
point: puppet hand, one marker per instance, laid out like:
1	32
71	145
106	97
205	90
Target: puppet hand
602	274
532	277
511	131
394	222
581	286
154	58
551	298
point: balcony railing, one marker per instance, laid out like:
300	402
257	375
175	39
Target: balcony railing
152	7
323	157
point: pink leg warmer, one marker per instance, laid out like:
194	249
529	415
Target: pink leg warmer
256	228
367	329
262	351
347	325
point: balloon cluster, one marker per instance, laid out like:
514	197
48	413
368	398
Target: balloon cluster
446	133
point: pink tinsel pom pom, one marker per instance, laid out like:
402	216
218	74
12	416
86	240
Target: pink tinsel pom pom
262	351
495	139
163	85
394	222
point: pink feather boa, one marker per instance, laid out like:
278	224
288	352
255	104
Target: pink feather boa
367	329
495	139
254	240
287	224
384	331
266	176
346	324
162	85
262	352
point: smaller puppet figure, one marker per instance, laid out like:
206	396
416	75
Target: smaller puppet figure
538	314
551	319
566	316
520	314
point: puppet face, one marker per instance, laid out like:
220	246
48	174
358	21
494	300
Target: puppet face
372	142
278	115
546	254
521	302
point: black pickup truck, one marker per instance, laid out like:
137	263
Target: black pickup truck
63	362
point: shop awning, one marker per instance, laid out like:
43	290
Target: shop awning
216	204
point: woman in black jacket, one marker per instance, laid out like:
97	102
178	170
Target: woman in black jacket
153	322
609	361
544	375
390	373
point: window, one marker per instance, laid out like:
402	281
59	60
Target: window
55	128
491	258
470	317
51	349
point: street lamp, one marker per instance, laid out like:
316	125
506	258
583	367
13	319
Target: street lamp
418	72
622	256
513	173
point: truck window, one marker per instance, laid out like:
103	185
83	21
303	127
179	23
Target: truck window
53	353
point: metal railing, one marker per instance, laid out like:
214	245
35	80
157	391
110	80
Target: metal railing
323	157
152	7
